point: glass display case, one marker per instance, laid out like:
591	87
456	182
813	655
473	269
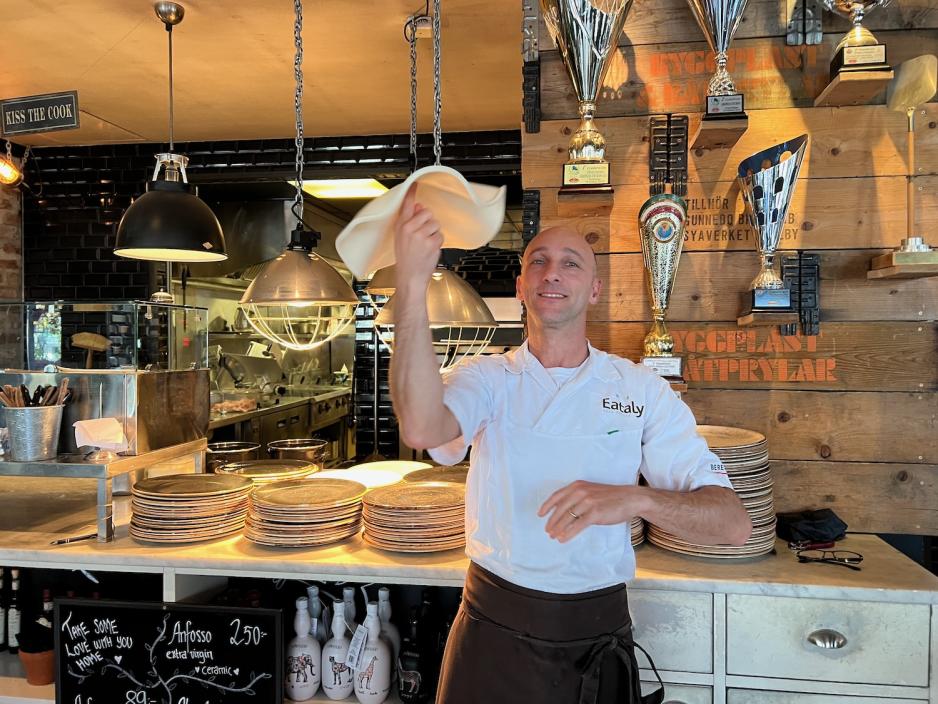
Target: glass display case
39	335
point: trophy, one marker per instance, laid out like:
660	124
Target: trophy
586	32
719	20
916	83
767	181
661	225
858	50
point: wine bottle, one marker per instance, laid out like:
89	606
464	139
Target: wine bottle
14	614
413	687
304	658
336	676
3	610
373	676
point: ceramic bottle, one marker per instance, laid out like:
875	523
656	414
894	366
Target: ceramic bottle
316	624
304	658
336	676
373	676
388	629
348	598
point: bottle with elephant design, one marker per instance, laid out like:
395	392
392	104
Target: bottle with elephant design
373	676
304	658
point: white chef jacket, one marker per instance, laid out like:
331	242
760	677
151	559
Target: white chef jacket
532	433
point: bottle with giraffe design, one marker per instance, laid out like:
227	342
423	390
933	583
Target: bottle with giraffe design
336	676
373	676
304	658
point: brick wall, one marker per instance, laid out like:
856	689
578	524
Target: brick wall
11	242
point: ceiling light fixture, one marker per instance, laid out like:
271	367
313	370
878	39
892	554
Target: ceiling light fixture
461	323
344	188
299	300
11	171
169	222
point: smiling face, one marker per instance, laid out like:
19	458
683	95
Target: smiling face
558	278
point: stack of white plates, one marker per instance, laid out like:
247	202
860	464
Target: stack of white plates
456	474
266	471
305	512
183	508
638	531
371	478
746	457
400	467
416	516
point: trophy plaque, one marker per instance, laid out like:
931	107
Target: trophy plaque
719	20
767	182
858	50
586	32
661	228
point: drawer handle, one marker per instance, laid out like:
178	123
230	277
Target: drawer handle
827	639
281	424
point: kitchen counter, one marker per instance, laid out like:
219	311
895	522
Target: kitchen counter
29	523
286	403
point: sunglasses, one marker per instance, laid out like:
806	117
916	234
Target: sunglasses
846	558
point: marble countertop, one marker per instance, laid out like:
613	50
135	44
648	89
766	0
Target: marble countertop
36	511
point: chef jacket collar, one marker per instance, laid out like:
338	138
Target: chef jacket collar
598	364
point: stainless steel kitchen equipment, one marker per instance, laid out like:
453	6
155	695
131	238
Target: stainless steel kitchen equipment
306	449
218	454
156	409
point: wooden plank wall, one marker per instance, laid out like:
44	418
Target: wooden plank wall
852	413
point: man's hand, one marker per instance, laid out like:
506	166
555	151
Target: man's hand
583	504
417	242
710	515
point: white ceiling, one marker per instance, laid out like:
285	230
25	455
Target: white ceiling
233	63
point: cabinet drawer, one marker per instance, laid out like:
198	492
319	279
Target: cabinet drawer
876	643
752	696
681	693
676	628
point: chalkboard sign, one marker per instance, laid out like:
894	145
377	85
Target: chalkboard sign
111	652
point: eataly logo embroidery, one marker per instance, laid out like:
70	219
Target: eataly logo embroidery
630	408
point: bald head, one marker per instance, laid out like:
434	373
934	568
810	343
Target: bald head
562	237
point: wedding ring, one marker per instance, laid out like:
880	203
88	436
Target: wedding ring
573	514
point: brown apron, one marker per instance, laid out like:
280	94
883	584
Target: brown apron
509	644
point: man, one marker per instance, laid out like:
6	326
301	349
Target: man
560	432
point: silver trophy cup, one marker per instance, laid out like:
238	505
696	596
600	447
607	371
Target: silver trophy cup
719	20
767	181
586	32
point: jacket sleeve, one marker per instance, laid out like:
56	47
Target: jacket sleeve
467	393
674	455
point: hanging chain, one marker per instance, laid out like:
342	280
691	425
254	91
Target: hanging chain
298	106
9	151
412	40
437	90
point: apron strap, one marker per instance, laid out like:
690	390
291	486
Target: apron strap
621	646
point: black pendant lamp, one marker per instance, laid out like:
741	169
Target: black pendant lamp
169	222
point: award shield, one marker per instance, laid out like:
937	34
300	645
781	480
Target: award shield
661	225
719	20
586	32
767	191
858	50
